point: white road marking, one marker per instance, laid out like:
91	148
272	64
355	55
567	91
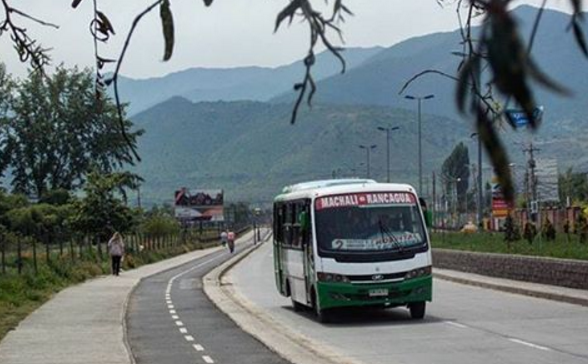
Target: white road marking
183	330
172	312
179	323
461	326
170	306
189	337
531	345
175	317
207	359
198	347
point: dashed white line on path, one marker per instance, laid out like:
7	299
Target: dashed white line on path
183	330
179	323
173	312
461	326
175	317
189	337
535	346
207	359
170	306
198	347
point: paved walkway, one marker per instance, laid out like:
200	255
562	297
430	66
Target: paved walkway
83	323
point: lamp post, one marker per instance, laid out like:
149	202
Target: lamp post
388	130
480	192
368	148
419	99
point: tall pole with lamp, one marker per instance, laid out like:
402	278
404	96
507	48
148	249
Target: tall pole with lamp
368	148
419	99
388	130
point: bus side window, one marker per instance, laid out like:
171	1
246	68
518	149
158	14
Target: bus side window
287	224
295	225
277	223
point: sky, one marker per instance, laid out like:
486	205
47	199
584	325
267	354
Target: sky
230	33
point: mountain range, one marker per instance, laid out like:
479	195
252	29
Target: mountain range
229	128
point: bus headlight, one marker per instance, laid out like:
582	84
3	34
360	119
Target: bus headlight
331	277
419	272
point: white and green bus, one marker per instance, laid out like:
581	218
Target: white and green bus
352	242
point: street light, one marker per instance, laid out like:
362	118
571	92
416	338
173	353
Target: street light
480	199
419	98
368	148
388	130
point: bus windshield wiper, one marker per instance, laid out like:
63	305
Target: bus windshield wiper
384	230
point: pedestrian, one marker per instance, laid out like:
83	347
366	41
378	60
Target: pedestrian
116	248
231	239
224	237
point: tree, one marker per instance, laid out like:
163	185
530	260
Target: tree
573	185
455	171
57	131
6	97
103	211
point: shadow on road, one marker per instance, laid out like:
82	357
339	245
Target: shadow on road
367	316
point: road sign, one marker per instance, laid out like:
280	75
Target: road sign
519	117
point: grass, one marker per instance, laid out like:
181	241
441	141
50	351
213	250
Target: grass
22	294
494	243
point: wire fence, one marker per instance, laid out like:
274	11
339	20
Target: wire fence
19	255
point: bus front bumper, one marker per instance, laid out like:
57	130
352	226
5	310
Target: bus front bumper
333	294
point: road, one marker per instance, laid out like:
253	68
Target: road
170	320
464	324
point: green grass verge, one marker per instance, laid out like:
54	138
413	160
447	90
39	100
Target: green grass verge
494	243
22	294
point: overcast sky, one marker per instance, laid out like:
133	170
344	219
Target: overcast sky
229	33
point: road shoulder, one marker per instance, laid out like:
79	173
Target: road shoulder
286	342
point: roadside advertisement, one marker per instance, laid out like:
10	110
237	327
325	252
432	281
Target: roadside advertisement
199	205
500	207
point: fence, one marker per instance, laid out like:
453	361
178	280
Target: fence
24	254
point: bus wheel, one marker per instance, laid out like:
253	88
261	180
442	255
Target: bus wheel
417	309
322	315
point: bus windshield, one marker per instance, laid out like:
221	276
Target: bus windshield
363	222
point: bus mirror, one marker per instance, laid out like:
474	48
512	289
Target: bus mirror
304	221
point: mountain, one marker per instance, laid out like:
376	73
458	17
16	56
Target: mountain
251	151
378	80
228	84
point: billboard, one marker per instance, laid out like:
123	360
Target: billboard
199	205
500	207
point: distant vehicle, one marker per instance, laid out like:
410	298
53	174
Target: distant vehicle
341	243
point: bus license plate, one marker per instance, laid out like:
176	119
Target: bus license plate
378	292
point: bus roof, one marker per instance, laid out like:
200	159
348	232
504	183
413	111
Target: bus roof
336	186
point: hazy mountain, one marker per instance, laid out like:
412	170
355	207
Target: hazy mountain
250	149
377	81
227	84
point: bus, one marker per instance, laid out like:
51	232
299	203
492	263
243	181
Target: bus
351	242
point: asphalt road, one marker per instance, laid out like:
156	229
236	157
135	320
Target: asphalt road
170	320
464	324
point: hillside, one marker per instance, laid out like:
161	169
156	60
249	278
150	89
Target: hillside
228	84
378	80
250	149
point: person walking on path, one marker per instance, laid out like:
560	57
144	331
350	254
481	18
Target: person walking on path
224	238
231	238
116	248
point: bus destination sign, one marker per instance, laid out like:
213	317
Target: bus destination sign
365	199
